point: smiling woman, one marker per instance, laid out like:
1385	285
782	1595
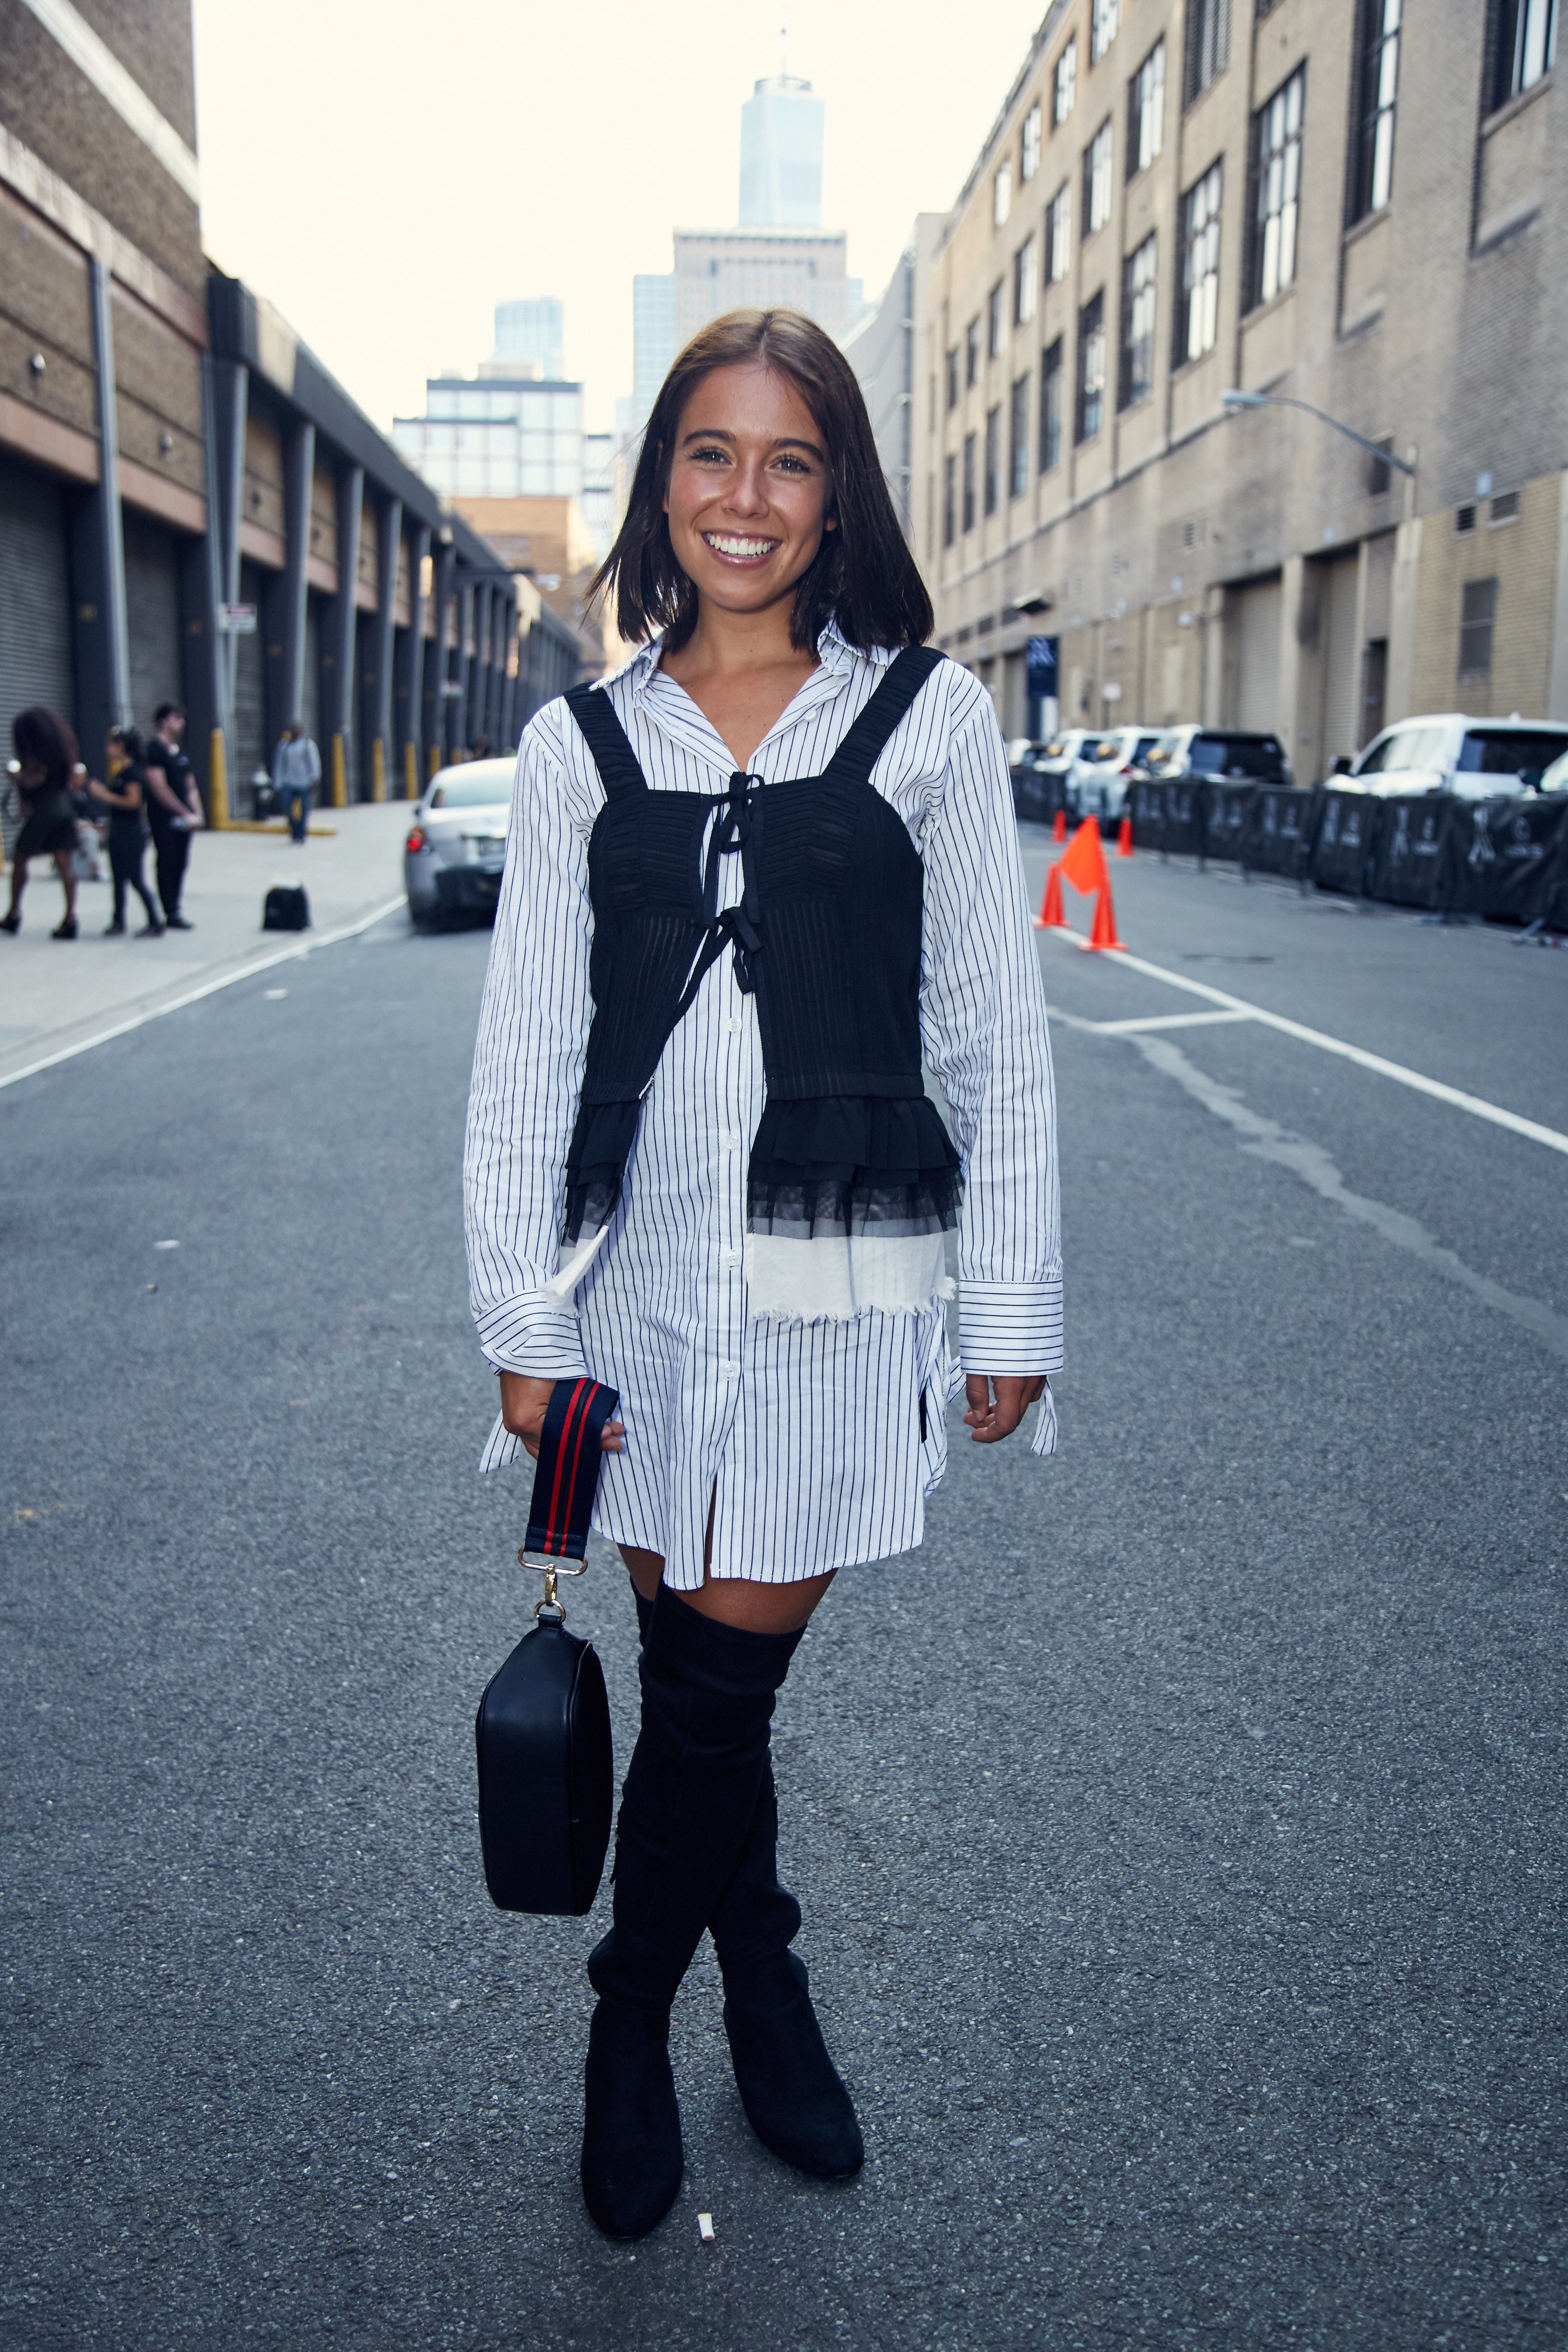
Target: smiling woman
756	881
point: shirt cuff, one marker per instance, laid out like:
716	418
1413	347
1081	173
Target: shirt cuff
529	1334
1012	1327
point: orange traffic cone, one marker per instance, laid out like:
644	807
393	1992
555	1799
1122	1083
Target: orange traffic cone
1050	917
1102	931
1124	838
1059	826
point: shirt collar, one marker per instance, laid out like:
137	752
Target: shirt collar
833	651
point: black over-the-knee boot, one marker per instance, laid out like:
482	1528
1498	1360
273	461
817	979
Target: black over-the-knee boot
789	2086
687	1807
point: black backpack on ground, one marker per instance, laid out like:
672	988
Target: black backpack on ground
287	908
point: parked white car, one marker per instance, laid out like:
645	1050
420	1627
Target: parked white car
1449	751
1105	766
455	853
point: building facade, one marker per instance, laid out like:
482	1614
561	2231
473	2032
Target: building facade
499	434
534	332
190	508
881	350
781	155
1303	199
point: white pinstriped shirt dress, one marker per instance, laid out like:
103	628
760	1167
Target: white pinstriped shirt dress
806	1433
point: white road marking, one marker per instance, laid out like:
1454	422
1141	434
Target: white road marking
207	988
1152	1021
1493	1113
1266	1140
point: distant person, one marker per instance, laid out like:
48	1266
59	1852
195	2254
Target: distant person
483	749
296	772
173	809
46	756
124	796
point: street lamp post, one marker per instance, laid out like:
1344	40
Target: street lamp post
1233	400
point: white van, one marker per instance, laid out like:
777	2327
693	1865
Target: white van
1447	752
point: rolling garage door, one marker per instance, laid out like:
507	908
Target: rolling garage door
153	616
35	610
1254	697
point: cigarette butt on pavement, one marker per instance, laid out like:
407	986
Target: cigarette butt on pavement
705	2227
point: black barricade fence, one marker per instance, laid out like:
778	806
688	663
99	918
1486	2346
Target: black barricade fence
1410	867
1228	819
1505	856
1185	800
1146	808
1346	843
1036	797
1284	825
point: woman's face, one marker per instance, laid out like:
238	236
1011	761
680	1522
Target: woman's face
749	488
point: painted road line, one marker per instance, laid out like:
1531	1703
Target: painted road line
1493	1113
1165	1021
301	947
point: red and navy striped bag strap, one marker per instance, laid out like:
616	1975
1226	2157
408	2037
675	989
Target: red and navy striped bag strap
568	1477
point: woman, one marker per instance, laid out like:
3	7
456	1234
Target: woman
46	756
752	878
124	796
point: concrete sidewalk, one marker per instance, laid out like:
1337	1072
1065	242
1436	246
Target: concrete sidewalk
56	993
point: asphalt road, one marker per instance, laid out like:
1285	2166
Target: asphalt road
1180	1830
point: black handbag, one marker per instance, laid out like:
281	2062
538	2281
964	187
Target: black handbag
543	1730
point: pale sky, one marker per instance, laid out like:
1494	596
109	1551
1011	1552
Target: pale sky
385	173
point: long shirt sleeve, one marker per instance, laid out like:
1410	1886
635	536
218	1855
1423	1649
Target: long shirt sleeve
528	1070
982	1017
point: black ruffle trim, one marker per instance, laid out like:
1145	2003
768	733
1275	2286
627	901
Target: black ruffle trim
844	1164
834	1165
601	1145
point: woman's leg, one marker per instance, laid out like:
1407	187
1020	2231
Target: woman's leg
18	883
139	884
65	866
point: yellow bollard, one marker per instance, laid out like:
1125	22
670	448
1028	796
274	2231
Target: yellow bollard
217	782
340	774
410	771
378	769
435	760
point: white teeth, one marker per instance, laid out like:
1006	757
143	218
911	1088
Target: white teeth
726	546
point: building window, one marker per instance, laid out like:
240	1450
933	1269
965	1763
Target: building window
968	481
1031	158
1505	506
1197	321
996	322
1105	15
952	378
1136	381
1018	440
1379	85
1092	367
1208	45
993	459
1277	178
972	352
949	499
1477	613
1064	90
1097	181
1146	110
1002	194
1526	46
1058	234
1024	283
1051	405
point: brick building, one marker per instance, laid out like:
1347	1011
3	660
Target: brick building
1301	198
169	448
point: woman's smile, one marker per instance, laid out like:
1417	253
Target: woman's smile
733	547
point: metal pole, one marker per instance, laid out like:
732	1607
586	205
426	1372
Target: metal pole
298	471
412	696
340	719
116	634
391	534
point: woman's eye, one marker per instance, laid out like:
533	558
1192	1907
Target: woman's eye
701	456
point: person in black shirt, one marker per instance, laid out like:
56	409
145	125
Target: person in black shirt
124	796
173	809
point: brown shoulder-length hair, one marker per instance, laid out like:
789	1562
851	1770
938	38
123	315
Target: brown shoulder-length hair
863	575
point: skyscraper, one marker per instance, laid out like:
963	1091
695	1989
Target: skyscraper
778	254
781	155
532	332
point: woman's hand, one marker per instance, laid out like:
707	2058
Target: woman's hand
523	1405
989	1417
